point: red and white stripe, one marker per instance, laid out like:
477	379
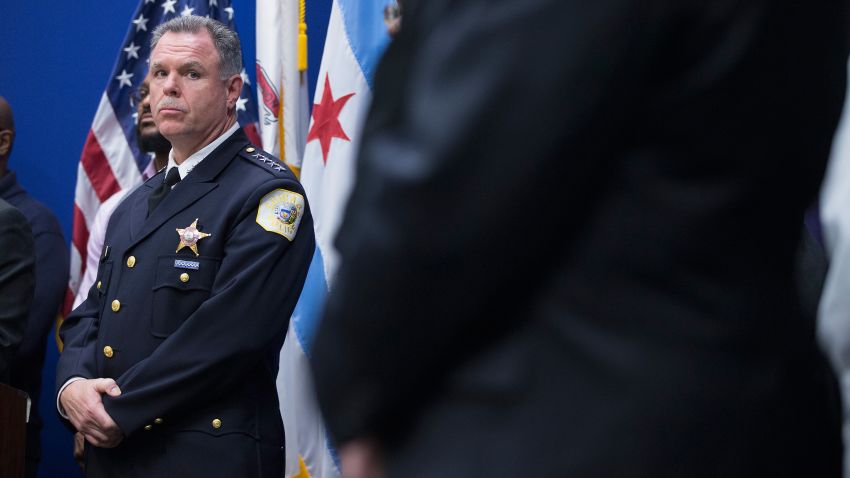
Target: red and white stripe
106	166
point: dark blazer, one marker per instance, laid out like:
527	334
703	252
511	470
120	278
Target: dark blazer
17	277
570	248
51	281
194	341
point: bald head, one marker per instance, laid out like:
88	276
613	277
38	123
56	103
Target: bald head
7	133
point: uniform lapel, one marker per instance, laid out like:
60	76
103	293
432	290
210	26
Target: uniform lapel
139	207
196	185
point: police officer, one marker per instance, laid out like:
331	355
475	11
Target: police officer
169	365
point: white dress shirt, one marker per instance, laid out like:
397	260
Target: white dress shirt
195	159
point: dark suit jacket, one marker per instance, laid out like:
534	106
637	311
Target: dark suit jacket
51	281
569	251
193	342
16	282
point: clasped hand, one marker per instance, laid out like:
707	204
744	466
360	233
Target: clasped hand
83	403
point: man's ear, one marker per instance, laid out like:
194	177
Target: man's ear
7	136
234	89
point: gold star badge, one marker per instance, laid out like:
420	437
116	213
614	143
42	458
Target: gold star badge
190	236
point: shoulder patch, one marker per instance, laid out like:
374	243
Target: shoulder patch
263	159
280	212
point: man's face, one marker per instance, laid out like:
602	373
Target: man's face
189	100
147	135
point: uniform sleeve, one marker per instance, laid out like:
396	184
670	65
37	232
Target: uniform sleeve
484	149
79	335
17	280
253	295
79	330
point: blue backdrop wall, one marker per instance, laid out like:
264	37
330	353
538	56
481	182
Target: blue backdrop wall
55	61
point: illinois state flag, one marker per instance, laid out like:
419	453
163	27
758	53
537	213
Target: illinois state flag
281	79
355	41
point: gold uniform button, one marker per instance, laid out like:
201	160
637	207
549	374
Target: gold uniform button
131	261
250	149
99	284
158	421
116	305
184	277
108	351
216	423
148	427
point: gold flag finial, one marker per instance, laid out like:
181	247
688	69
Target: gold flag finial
302	37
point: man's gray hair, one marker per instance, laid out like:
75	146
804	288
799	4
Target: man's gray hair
226	41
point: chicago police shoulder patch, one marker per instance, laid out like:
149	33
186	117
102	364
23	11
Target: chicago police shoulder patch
280	212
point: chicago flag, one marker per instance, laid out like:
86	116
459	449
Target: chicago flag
355	41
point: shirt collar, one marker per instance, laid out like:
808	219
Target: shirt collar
9	185
150	171
195	159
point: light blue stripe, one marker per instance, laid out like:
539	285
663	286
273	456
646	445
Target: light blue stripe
367	34
308	310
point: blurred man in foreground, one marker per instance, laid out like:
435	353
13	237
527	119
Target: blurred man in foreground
570	247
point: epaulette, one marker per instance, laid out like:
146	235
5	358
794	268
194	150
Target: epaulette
262	158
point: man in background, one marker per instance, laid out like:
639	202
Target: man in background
570	248
150	141
51	279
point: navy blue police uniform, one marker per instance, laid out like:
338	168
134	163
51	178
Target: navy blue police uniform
193	340
52	263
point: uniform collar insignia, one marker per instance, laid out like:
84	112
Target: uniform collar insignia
258	155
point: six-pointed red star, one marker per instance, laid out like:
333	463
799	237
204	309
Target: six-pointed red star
326	119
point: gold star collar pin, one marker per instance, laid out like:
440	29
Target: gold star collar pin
190	236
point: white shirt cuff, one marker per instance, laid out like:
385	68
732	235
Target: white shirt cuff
59	404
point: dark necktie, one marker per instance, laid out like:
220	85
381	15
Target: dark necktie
158	194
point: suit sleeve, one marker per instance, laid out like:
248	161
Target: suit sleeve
481	157
51	280
254	293
17	280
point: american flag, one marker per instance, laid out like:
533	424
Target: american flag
111	160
